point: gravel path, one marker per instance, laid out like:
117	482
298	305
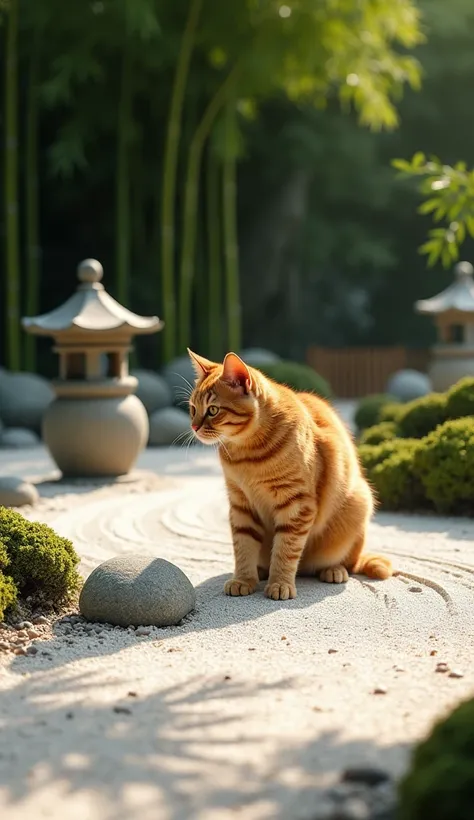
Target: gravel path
251	707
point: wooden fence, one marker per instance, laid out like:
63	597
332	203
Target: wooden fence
357	371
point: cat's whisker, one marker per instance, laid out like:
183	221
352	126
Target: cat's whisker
191	387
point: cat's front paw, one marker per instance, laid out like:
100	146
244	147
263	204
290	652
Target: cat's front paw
280	591
234	587
334	575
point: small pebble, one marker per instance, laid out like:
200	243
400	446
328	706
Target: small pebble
34	633
433	652
399	669
455	673
251	649
41	619
415	589
380	690
283	638
19	650
132	694
32	650
122	710
142	631
227	677
332	651
25	625
442	667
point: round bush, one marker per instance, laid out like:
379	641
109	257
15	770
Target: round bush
368	410
372	454
299	377
42	564
395	483
460	399
444	464
409	384
420	417
391	412
384	431
440	782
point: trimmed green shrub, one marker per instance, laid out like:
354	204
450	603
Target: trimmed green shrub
445	466
368	410
440	782
460	399
371	455
391	412
299	377
384	431
42	564
395	483
8	591
421	416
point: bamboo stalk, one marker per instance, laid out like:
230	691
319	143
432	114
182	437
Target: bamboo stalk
214	257
33	249
231	246
11	191
122	228
170	170
191	196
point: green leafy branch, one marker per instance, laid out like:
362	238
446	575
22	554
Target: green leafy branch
448	193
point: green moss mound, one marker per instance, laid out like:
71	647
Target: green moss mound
384	431
368	410
440	783
298	376
391	412
445	466
460	399
421	416
39	562
8	590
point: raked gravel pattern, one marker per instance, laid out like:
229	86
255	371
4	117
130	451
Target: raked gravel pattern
250	707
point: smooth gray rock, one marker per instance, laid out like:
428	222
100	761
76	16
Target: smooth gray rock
407	385
254	356
153	391
180	376
136	590
18	437
15	492
24	398
167	427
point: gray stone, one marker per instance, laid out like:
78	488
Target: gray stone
18	437
24	398
137	590
180	376
255	356
15	492
153	391
168	426
407	385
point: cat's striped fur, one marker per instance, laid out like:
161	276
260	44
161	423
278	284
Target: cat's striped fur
299	503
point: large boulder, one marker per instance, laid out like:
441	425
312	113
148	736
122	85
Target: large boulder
168	427
24	398
255	356
136	590
15	492
18	438
407	385
180	376
152	390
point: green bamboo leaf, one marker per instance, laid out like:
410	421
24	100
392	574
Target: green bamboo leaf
428	206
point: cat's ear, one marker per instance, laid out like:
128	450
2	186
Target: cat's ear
236	373
202	367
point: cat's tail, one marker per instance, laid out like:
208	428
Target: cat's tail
374	566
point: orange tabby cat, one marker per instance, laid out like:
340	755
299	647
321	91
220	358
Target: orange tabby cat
299	503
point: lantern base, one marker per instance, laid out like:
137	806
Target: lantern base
449	364
95	437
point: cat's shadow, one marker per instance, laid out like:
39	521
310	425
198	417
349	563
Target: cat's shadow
215	610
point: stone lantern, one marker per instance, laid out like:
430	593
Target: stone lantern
95	426
453	313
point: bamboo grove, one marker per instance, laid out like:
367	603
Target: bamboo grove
151	99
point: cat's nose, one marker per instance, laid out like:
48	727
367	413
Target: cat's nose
195	427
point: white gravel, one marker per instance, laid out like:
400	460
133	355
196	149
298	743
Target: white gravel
250	708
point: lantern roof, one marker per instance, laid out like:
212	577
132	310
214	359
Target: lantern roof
90	309
459	296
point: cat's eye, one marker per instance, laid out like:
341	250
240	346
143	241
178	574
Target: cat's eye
213	410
